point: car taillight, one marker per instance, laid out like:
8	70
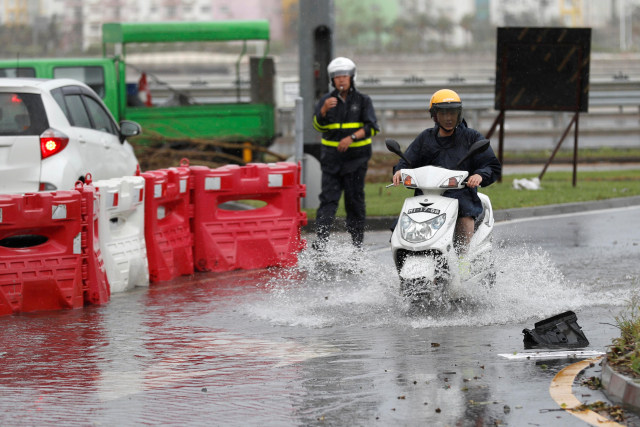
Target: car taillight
46	186
52	141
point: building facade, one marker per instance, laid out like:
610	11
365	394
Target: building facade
80	21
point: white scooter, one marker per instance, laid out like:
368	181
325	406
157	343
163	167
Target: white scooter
422	242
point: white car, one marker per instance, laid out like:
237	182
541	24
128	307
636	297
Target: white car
54	132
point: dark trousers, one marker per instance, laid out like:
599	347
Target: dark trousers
333	184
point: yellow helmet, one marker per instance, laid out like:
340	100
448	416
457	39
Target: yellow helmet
445	99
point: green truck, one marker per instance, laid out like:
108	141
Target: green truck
234	129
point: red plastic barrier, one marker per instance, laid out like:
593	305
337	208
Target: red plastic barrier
48	259
96	284
166	225
266	236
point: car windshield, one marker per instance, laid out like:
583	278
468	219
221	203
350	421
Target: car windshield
22	114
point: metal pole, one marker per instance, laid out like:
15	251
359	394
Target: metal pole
575	150
564	135
622	21
501	142
299	128
299	142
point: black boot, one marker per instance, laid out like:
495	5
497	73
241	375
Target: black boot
319	245
322	238
357	237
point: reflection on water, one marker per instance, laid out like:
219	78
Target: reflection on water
44	353
164	355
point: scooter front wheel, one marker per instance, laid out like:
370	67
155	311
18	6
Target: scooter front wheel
416	289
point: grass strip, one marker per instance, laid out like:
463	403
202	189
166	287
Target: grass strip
556	188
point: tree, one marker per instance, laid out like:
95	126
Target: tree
445	27
467	23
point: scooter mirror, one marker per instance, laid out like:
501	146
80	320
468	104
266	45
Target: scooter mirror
476	147
394	147
479	146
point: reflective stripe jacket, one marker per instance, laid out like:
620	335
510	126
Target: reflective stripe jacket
346	118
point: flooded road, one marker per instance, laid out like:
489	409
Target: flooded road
329	342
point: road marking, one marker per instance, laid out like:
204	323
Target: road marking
565	354
506	222
560	391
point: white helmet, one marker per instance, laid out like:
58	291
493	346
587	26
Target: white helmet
342	66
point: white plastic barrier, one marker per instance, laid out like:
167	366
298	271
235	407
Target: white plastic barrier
121	232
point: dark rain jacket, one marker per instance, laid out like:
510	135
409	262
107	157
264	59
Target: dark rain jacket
426	149
343	120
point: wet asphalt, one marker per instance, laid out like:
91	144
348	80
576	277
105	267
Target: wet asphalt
330	342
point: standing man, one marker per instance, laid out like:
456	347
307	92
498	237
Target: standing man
445	144
347	121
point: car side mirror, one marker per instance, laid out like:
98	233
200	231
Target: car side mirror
129	129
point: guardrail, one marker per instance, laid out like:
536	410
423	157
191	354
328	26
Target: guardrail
475	95
398	105
475	103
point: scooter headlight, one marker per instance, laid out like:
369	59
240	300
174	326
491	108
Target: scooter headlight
416	232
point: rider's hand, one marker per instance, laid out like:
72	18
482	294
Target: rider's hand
397	178
329	103
344	144
474	181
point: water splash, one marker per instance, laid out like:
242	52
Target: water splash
346	287
340	286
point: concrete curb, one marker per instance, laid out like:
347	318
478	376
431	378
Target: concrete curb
620	388
384	223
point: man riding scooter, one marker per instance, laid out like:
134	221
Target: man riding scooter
445	145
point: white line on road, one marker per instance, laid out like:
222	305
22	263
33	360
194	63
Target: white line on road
545	217
562	354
